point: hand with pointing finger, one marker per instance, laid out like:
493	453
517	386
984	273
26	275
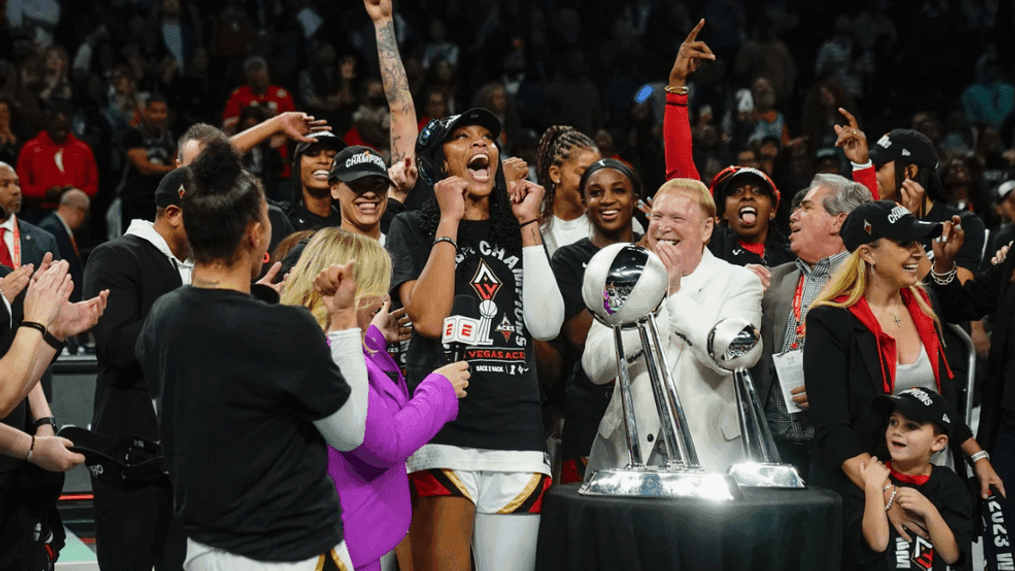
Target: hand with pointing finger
852	140
691	52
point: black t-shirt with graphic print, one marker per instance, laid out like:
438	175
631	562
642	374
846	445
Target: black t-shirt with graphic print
502	411
949	495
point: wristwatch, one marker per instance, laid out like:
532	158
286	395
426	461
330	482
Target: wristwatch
45	420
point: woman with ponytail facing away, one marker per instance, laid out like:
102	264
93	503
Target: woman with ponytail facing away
246	413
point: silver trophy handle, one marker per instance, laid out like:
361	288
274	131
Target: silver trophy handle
754	432
671	414
624	386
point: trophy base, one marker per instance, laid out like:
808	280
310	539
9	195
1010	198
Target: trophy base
757	475
653	482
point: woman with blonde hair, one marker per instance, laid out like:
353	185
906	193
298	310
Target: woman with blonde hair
371	480
872	331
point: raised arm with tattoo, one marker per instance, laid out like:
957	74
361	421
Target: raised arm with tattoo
396	84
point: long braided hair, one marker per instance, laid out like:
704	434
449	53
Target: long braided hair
557	145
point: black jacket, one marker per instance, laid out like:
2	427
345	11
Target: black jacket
990	292
842	371
54	226
725	246
136	274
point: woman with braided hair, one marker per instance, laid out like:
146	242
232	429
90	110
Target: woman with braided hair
564	154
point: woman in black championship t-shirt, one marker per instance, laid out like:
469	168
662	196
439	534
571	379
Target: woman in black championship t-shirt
248	392
610	191
471	265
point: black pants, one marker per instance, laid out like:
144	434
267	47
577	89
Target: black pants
135	530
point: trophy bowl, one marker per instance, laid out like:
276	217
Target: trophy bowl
623	283
734	343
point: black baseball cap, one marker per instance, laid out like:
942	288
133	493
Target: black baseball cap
919	405
907	145
119	462
734	176
171	188
326	138
884	219
437	131
357	162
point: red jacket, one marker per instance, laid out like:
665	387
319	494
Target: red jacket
44	164
677	146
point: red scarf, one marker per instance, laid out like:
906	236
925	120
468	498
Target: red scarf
886	343
906	478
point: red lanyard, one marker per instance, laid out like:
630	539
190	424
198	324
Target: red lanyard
801	327
16	239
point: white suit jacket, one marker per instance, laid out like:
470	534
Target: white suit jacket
715	290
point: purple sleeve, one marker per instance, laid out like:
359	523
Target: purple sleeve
392	438
375	340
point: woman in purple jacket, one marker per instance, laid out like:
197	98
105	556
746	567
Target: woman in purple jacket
371	480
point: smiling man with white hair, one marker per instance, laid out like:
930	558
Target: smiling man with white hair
702	290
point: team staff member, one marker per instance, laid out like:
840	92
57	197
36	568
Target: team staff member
244	412
134	528
481	479
610	191
872	331
701	291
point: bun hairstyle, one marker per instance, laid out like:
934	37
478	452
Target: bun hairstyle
220	201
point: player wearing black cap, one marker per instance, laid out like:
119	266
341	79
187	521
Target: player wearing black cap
134	528
480	480
359	183
906	163
311	204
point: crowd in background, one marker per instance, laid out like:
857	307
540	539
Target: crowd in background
770	98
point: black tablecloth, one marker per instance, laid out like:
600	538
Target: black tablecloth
768	529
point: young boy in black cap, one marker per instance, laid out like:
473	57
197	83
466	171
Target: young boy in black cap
919	424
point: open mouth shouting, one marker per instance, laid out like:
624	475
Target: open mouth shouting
478	167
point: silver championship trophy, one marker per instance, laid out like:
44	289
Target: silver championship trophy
624	287
735	344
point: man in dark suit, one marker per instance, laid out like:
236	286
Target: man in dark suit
68	217
793	286
21	243
134	527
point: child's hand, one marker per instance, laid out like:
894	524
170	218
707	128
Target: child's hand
874	473
910	499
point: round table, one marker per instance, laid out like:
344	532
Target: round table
767	529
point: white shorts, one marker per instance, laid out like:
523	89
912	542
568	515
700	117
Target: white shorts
490	492
201	557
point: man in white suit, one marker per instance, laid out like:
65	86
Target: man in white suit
702	291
